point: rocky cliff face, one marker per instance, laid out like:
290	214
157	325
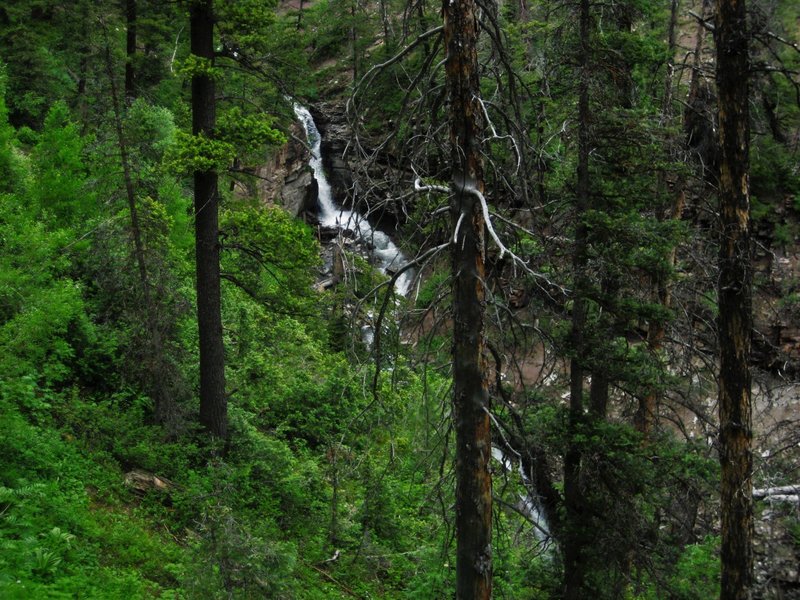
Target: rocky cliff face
332	123
287	179
357	182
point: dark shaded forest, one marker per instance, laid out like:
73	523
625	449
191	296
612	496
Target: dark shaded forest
398	299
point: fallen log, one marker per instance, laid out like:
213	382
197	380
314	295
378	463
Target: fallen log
782	490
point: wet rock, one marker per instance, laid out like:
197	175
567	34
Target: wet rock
356	184
300	194
286	178
332	123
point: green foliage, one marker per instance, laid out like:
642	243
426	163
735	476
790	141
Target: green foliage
231	558
41	311
794	531
330	33
248	133
698	570
55	541
198	153
43	47
696	574
630	487
773	169
432	289
362	278
75	409
58	541
784	233
7	159
292	381
245	24
57	158
198	66
319	462
151	133
150	129
270	256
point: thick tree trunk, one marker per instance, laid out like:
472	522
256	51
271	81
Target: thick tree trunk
470	378
598	396
735	301
575	534
213	402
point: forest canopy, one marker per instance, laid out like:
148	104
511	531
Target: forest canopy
392	299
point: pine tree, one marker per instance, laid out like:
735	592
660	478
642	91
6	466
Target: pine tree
735	300
213	401
470	381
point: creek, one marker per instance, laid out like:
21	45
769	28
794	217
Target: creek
387	256
528	503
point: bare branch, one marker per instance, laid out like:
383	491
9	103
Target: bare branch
418	187
405	50
497	136
702	21
379	322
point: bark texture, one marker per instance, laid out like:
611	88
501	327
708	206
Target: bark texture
575	535
213	401
470	377
735	301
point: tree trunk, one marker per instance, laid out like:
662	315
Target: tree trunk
575	534
470	378
697	61
696	123
735	301
213	402
154	362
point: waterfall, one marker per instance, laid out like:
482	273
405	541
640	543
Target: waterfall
387	254
528	503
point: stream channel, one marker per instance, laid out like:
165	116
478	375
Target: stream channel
386	254
389	258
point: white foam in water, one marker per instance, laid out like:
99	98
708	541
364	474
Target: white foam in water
389	256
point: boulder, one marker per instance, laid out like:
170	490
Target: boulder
141	482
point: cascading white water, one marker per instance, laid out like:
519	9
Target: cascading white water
389	256
527	502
